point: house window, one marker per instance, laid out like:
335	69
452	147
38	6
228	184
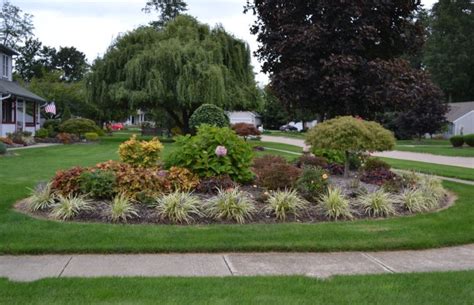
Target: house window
5	66
8	112
30	116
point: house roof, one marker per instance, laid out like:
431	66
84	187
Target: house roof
7	50
13	88
457	110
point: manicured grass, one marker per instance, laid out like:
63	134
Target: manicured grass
434	169
22	234
290	134
441	150
451	288
278	146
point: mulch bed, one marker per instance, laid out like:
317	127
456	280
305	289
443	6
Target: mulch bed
313	214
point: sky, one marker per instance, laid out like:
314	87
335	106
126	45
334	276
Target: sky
91	26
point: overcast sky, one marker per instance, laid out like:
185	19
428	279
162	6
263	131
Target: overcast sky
90	25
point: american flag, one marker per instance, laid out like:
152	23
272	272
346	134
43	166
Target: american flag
50	108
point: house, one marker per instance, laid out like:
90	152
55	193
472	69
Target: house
137	119
461	118
20	108
244	117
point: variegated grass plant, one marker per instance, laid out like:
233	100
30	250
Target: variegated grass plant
285	203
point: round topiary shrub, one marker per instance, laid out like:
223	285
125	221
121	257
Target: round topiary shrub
79	126
469	139
457	141
42	133
209	114
3	148
91	136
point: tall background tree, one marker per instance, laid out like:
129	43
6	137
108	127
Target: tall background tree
15	26
342	57
167	10
174	69
449	52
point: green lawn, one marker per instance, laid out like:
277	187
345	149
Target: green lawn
22	234
451	288
434	169
291	134
442	150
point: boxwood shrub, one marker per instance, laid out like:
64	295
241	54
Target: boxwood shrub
469	139
209	114
457	141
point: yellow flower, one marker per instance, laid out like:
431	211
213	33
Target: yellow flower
325	176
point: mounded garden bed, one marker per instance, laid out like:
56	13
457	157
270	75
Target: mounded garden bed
213	178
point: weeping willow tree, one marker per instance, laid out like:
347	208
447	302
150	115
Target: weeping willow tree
174	69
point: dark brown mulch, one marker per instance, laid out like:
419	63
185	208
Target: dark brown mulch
148	215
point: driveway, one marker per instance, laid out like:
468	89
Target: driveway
400	155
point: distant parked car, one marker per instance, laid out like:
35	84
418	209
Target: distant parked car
117	126
288	128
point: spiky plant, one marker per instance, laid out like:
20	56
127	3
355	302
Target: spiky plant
335	204
378	203
179	207
413	200
231	205
70	206
284	203
122	208
42	197
433	191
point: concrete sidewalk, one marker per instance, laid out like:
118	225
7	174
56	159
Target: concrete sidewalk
400	155
322	265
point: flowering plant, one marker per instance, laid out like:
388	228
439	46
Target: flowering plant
221	151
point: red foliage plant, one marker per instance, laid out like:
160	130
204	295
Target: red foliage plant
68	182
245	130
275	173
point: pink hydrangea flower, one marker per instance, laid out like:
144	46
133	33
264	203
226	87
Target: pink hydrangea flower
221	151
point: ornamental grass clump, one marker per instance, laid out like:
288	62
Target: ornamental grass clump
141	153
433	191
42	197
285	203
335	204
378	203
231	205
70	206
413	200
122	208
179	207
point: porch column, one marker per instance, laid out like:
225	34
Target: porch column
1	116
24	115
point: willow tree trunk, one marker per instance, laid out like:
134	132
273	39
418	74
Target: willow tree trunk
347	165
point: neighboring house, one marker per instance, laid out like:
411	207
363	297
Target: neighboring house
137	119
19	108
245	117
461	118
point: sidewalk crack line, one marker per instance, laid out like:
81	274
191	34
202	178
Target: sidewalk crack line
227	264
65	266
379	262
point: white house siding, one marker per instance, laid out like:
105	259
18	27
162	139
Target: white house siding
247	117
464	124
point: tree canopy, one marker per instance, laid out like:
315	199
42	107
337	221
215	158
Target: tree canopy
350	135
450	46
167	10
15	26
175	69
341	57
